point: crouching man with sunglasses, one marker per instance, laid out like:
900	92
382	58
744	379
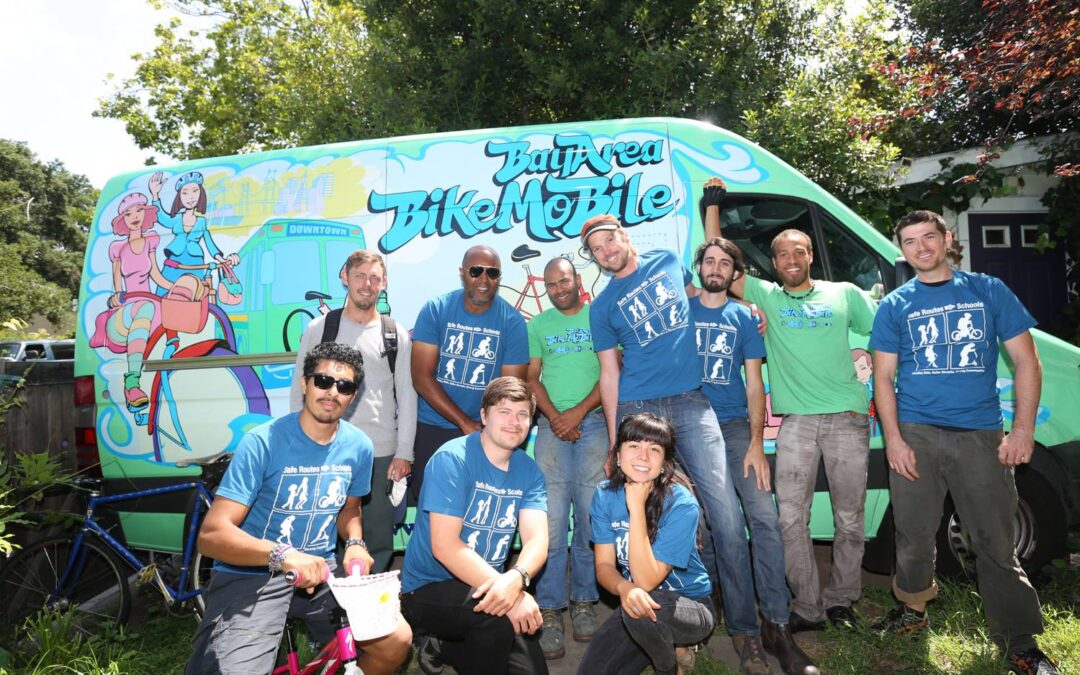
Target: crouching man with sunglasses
462	340
291	481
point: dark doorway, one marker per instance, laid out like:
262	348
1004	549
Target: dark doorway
1003	245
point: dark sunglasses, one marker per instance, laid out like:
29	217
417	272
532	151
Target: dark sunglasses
493	272
344	387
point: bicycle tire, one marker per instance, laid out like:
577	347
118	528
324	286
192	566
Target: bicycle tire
201	569
285	341
100	596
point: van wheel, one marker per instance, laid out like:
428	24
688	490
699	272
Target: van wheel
1041	531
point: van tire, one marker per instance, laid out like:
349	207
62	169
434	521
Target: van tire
1042	530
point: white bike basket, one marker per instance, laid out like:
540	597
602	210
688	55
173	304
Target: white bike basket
372	602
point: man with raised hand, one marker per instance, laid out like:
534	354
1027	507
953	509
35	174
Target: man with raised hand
937	337
385	410
825	409
645	309
290	481
571	445
727	340
462	340
481	491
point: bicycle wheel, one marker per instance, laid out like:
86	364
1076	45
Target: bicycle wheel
98	595
200	580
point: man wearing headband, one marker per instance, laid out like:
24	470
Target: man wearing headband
645	309
385	409
293	485
462	340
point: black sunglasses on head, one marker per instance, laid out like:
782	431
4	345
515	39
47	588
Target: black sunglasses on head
344	387
476	270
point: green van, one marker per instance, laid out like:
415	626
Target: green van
279	224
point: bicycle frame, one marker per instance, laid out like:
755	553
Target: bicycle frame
172	595
339	653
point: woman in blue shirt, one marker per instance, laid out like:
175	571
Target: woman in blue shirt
644	527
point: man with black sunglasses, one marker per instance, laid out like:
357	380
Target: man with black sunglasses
462	340
385	410
291	481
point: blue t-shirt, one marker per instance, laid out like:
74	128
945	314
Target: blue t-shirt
725	337
459	481
472	350
946	341
676	537
647	312
295	487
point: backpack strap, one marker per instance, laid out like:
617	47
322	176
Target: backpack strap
331	325
390	345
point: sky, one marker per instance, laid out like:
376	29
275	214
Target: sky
54	58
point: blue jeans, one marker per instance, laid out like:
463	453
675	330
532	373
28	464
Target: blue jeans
572	470
700	450
764	522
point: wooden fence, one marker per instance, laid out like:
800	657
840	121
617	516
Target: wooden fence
45	422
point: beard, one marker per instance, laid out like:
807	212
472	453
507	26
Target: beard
715	286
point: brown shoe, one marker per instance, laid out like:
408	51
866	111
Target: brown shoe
779	642
752	659
684	659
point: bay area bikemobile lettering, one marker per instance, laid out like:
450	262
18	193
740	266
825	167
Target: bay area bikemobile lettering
556	202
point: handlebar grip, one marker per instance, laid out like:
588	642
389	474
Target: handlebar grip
357	568
292	577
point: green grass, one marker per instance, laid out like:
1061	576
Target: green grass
957	641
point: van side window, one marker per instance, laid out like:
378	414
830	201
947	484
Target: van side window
752	222
849	260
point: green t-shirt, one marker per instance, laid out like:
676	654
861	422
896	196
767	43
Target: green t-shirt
564	343
811	370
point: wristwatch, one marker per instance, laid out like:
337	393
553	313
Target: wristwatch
524	576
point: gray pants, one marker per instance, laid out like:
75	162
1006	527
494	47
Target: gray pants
377	517
843	440
964	464
245	618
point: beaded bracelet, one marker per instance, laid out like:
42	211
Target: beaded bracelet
277	557
355	541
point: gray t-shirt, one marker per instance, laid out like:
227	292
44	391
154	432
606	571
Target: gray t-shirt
373	410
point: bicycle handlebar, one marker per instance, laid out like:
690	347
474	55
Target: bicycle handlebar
356	568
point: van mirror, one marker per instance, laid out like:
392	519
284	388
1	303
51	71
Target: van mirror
266	268
903	272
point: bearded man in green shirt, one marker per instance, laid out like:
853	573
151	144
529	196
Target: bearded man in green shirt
825	409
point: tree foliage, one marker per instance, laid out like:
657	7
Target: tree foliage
271	74
45	213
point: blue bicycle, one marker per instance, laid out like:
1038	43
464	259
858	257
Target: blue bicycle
91	572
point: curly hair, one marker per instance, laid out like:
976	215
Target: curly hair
648	428
334	351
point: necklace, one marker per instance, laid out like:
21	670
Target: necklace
799	297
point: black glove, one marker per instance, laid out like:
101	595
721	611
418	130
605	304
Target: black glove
712	195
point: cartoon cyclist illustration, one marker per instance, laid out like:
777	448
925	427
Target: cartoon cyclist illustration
965	329
188	225
133	312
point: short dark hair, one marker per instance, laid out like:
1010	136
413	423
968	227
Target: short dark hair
727	246
920	216
334	351
787	234
508	388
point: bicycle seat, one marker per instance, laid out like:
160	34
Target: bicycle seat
213	467
523	252
206	461
316	295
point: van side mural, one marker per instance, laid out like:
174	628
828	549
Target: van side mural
292	218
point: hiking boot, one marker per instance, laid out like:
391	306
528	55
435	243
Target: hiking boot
429	655
551	634
798	623
583	620
1031	662
752	659
903	620
778	641
842	617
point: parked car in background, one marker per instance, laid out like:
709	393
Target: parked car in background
37	350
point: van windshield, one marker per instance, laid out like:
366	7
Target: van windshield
752	223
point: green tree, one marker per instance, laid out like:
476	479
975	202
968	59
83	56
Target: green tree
271	74
45	213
